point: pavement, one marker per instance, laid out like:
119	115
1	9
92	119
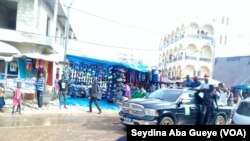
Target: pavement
58	124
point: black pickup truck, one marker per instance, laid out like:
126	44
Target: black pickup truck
169	107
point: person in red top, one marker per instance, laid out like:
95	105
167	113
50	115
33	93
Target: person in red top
17	98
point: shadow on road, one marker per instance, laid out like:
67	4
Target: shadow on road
123	138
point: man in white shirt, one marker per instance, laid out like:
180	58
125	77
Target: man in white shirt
205	85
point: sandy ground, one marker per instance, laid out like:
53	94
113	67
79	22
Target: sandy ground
55	124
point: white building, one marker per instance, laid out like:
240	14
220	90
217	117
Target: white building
37	29
190	49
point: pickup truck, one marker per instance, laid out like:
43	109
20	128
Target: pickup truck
169	107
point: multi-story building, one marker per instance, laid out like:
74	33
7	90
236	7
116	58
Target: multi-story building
37	29
189	50
192	47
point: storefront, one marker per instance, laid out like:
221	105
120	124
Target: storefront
110	75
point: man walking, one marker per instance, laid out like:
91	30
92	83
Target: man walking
94	92
40	90
62	91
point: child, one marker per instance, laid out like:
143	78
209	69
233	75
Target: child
17	98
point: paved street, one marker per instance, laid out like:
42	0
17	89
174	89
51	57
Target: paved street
81	126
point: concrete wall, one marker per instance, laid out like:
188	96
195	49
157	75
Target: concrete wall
25	15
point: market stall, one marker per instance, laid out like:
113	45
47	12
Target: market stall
110	75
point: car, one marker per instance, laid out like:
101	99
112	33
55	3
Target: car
169	107
242	113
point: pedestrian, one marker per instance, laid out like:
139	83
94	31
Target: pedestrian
140	93
2	102
62	90
196	83
40	90
17	99
127	91
56	88
94	92
208	103
188	82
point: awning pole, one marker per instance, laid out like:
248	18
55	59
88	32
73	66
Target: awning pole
5	74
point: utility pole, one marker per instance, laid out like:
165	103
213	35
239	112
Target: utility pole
66	36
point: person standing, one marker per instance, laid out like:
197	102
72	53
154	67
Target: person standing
2	102
94	92
196	83
56	88
188	82
40	90
205	85
127	91
17	99
62	91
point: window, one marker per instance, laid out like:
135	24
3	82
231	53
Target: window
244	109
220	39
199	73
222	20
225	40
48	26
57	35
227	20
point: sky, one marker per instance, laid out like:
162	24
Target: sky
105	28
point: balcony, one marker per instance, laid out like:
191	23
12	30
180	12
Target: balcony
191	58
10	35
36	38
24	37
188	36
205	59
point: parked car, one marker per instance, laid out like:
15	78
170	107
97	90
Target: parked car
169	107
242	114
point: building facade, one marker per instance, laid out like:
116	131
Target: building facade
189	50
37	28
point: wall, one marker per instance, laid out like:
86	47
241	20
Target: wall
232	70
25	15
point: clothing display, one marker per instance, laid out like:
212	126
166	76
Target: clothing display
81	76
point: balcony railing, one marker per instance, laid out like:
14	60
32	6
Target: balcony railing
196	36
181	58
191	58
21	36
206	59
37	38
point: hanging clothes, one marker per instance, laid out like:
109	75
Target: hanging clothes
155	76
42	64
37	63
46	65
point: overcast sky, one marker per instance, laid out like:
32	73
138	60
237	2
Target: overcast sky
140	24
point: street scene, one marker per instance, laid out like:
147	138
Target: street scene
85	70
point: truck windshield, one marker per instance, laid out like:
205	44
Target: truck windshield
166	94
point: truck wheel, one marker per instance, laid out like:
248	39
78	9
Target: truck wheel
167	121
220	120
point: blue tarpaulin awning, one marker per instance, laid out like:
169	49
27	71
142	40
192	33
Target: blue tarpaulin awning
88	60
244	86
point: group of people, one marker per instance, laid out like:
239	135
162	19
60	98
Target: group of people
212	98
60	90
